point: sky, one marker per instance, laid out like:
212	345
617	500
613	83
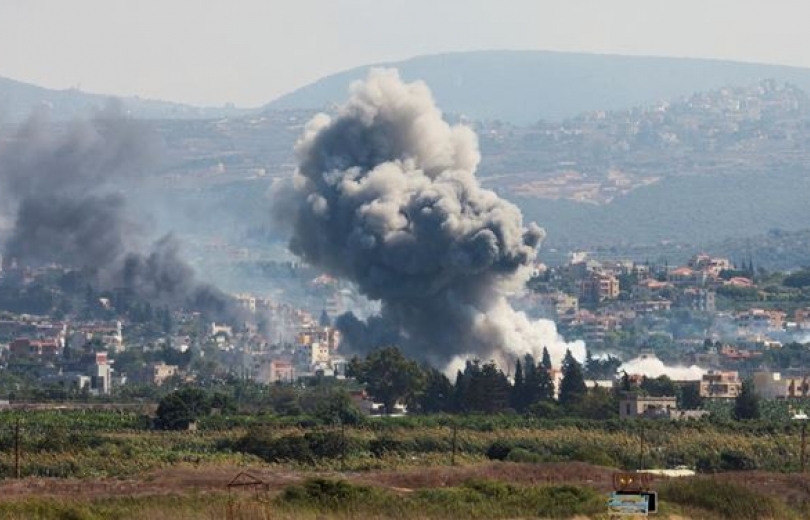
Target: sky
248	52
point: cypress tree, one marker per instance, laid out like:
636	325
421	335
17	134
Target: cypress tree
572	386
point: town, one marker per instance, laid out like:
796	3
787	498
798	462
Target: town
694	332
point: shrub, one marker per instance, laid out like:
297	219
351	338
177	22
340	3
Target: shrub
305	449
726	499
523	455
499	450
384	445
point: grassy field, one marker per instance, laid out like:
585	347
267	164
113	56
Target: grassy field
92	465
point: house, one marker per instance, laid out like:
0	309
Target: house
716	384
598	287
158	373
276	371
633	404
772	385
33	349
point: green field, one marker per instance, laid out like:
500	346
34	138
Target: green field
102	464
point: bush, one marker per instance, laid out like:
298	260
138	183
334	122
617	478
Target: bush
726	499
382	446
304	449
523	455
499	450
330	496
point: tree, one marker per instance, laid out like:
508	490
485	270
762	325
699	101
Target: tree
182	407
389	376
660	386
690	398
518	389
538	384
588	366
746	405
438	394
483	388
494	389
330	404
546	359
572	386
600	404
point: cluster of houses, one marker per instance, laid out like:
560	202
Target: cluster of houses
597	300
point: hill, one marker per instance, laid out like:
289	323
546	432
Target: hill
18	99
522	87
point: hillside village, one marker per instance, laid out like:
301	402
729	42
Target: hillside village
727	323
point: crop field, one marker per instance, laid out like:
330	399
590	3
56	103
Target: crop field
107	464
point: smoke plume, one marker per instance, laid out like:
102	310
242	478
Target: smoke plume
385	195
63	190
651	366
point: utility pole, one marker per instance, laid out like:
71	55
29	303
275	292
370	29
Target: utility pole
641	450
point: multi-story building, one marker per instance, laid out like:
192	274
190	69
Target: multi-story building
760	319
276	371
24	348
598	287
697	299
772	385
716	384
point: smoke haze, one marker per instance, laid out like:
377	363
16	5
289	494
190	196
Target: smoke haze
63	190
651	366
385	195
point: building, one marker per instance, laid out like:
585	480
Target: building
598	287
23	348
596	327
633	405
247	302
716	384
651	306
276	371
760	319
697	300
772	385
710	265
100	373
158	373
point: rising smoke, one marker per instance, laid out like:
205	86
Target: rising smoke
385	195
651	366
63	192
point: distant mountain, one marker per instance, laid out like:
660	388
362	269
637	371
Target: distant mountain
522	87
18	99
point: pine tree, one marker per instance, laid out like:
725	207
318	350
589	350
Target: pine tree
518	388
545	385
588	368
546	359
746	405
438	395
572	386
494	389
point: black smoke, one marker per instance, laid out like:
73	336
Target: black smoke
385	195
63	191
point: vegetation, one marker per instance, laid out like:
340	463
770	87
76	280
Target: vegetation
725	499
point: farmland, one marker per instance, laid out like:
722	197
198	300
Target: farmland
98	464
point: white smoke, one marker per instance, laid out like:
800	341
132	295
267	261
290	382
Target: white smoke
653	367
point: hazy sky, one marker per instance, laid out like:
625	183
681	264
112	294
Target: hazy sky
250	51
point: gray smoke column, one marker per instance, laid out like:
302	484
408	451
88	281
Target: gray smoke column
63	190
385	195
55	189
